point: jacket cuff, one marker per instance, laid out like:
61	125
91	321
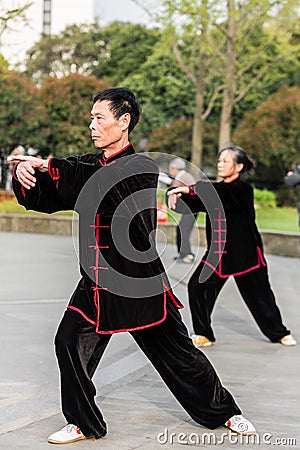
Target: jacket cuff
192	189
54	166
14	174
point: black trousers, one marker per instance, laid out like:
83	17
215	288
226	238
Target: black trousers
256	291
186	371
183	233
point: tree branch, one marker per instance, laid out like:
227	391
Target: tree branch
189	73
212	101
260	75
144	7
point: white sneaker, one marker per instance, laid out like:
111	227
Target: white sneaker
69	433
188	259
200	341
240	425
288	340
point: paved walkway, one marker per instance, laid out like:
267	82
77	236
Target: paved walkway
38	274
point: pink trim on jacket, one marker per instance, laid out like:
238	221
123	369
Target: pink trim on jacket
219	230
260	261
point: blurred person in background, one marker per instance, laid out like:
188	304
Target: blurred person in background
180	177
292	179
19	150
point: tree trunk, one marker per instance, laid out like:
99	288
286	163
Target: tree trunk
197	138
225	120
230	76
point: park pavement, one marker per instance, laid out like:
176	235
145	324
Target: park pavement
38	274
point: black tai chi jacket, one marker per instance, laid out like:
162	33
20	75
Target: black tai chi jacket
123	286
234	245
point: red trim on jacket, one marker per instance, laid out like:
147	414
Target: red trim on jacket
97	267
104	161
82	313
23	190
54	172
123	330
172	297
192	189
14	171
142	327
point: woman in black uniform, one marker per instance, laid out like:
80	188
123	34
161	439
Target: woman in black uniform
234	248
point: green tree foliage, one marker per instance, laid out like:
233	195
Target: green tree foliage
112	52
173	70
266	53
22	118
163	90
3	63
188	27
226	49
125	48
271	133
75	50
176	139
68	103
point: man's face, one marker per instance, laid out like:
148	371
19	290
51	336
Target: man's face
106	131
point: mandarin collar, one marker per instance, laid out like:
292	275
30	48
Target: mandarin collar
128	150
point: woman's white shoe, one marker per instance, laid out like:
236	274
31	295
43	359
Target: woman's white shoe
288	340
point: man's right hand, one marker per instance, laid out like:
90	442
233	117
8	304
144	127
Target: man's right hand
26	168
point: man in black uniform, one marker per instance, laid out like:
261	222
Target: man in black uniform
292	179
123	285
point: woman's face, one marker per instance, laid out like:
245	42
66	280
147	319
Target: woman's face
228	169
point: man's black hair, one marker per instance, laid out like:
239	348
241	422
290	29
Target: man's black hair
122	101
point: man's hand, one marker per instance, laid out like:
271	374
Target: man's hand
174	194
26	168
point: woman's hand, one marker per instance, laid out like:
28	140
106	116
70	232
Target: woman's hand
176	193
26	168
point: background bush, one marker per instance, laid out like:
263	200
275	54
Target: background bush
264	198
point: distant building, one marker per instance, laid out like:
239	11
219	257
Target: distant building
47	17
97	11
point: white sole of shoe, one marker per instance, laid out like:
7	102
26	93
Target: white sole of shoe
206	344
245	433
81	438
